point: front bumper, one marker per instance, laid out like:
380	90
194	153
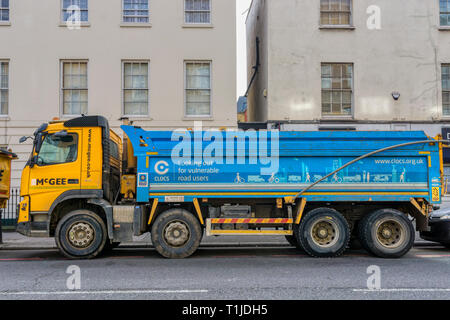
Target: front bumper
33	229
439	231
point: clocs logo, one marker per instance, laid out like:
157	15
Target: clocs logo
161	167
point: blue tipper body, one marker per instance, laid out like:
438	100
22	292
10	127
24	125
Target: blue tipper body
304	157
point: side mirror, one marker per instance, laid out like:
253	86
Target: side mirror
24	138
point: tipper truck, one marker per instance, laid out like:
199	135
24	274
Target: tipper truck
91	189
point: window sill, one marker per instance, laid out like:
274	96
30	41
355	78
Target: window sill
337	27
444	28
4	117
5	23
135	25
197	25
336	117
82	25
198	118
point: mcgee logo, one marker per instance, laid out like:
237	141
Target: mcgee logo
49	181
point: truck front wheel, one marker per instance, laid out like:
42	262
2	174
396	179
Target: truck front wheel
386	233
176	234
324	232
81	234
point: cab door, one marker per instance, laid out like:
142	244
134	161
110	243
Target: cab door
57	169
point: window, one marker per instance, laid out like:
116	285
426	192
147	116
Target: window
57	150
446	89
74	88
135	11
4	10
445	12
71	8
335	12
337	84
197	11
114	150
135	88
198	88
4	87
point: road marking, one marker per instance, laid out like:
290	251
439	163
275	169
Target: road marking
404	290
432	255
22	259
19	293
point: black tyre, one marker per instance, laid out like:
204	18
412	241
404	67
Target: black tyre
386	233
176	234
323	232
81	234
292	239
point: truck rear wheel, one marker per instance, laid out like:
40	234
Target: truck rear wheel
386	233
324	232
176	234
292	239
81	234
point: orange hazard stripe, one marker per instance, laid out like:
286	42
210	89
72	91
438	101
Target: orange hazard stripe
268	221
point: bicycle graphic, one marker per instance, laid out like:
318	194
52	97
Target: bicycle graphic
273	179
336	178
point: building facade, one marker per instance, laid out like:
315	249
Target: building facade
350	65
164	64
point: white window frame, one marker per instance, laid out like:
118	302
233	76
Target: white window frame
7	88
137	23
9	12
352	111
85	23
350	24
441	13
205	116
61	86
198	23
444	65
123	89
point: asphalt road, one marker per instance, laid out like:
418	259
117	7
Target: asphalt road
225	273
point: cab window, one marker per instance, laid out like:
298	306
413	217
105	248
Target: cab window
57	149
114	150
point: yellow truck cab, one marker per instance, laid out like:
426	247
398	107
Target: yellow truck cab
74	166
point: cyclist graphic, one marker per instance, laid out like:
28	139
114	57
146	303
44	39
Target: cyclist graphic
273	179
336	178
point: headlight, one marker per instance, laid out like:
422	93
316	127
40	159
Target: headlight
446	217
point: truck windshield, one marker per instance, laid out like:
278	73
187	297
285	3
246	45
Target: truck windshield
57	150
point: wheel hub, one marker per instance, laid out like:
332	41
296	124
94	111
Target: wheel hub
81	235
390	233
176	234
324	233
